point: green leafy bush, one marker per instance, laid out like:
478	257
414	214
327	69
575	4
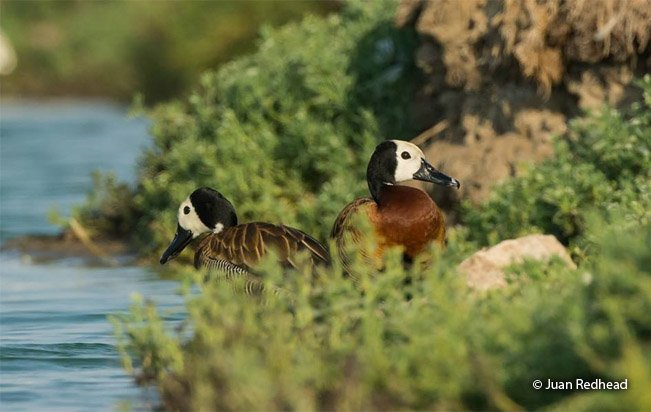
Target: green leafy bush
284	133
109	207
432	343
604	162
334	346
145	334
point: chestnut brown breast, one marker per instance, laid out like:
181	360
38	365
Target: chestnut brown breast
405	217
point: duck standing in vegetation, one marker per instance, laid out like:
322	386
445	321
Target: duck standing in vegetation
399	215
234	248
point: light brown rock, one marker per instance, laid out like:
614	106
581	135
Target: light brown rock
485	269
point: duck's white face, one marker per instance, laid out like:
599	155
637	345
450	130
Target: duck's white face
205	210
409	158
189	220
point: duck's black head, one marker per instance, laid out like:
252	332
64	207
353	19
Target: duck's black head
205	210
395	161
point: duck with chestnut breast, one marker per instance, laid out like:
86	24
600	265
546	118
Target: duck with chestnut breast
399	215
233	248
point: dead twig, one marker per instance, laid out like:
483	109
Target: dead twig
430	133
81	234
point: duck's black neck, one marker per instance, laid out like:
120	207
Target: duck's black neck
377	178
381	168
224	213
231	219
376	188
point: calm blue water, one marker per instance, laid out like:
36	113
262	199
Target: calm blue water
56	346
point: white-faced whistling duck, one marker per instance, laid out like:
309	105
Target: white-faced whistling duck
399	215
233	248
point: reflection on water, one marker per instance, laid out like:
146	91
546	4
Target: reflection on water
56	347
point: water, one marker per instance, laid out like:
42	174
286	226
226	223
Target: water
57	349
47	152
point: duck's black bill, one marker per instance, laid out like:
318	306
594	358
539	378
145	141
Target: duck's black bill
429	173
180	241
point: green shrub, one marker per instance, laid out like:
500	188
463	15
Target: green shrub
432	343
284	133
158	354
334	346
604	162
109	208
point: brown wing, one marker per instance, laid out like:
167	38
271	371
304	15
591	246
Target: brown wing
342	222
344	231
244	245
305	242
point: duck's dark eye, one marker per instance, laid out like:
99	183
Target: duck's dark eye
186	210
405	155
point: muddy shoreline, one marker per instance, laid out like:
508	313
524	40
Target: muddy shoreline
65	245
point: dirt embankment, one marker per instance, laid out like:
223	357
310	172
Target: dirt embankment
48	248
502	77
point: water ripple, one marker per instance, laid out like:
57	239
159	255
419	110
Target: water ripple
57	349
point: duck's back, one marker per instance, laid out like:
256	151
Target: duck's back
246	244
